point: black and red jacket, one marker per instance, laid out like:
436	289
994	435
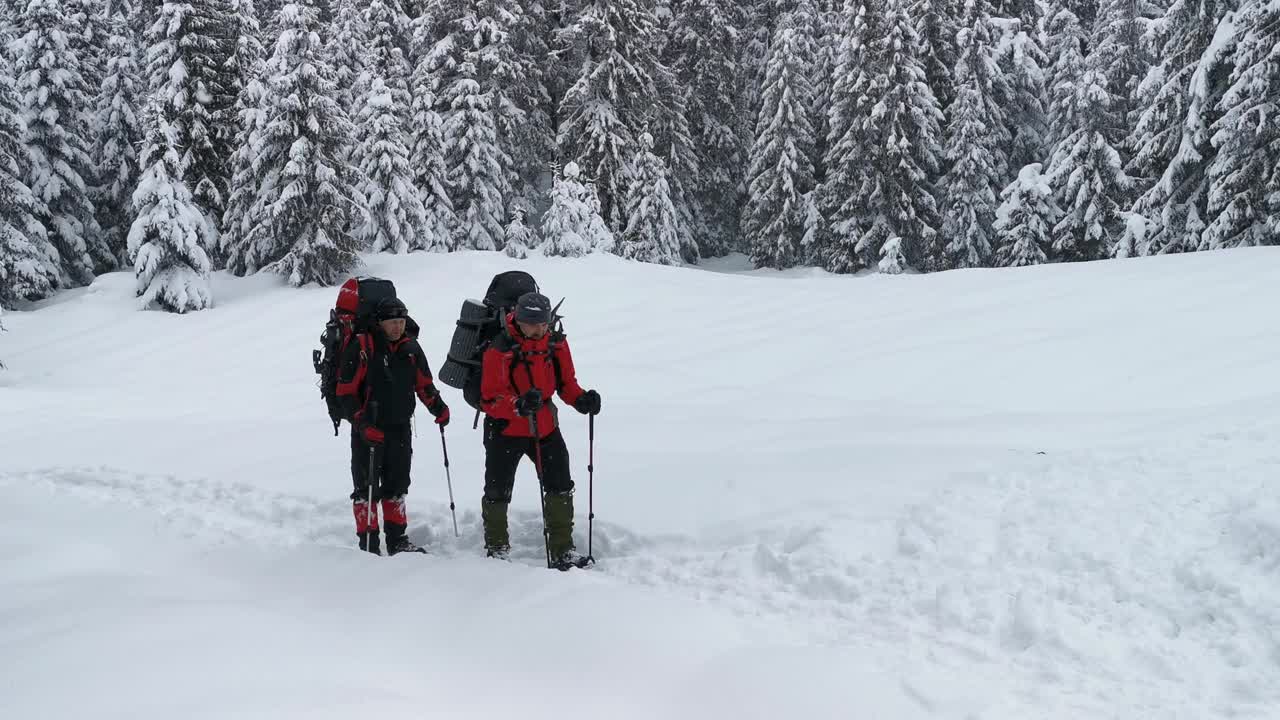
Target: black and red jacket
394	374
515	364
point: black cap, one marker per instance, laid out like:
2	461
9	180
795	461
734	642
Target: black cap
390	309
533	308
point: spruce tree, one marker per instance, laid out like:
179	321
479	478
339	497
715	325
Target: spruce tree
976	144
703	53
653	227
119	132
847	166
621	89
1180	102
30	268
1025	219
428	160
187	53
519	238
308	196
386	57
1089	178
572	225
53	97
781	171
396	219
937	24
1243	182
1023	63
477	175
346	52
894	151
169	232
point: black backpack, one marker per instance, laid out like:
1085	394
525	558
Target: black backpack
351	316
479	322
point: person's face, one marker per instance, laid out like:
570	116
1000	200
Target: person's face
532	330
393	328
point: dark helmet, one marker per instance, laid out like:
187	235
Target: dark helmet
533	308
390	309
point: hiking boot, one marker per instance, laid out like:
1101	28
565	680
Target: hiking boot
401	543
502	552
570	558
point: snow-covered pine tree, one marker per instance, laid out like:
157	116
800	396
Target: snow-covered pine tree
572	225
386	56
1066	51
703	52
1243	209
247	175
519	238
472	66
892	260
828	33
520	76
52	97
187	52
169	232
308	197
477	165
1180	102
976	144
247	55
1085	168
1025	219
428	161
781	171
396	220
9	14
500	46
1024	61
846	166
937	22
29	265
346	52
1121	55
621	88
88	38
119	132
653	225
1089	179
901	144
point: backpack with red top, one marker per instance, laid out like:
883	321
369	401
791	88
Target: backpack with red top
351	316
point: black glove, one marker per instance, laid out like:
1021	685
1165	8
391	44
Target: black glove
588	403
529	403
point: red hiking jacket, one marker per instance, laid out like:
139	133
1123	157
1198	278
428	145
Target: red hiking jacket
515	364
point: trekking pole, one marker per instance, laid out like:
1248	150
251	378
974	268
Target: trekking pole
375	477
591	483
449	480
542	489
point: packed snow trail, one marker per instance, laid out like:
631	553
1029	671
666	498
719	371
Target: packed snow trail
992	494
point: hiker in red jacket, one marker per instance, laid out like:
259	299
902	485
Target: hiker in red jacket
384	374
521	372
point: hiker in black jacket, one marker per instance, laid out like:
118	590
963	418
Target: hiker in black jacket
384	374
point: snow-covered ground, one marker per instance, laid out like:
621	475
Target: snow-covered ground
1000	494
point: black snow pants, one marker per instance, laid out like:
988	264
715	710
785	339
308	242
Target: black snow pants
502	456
397	456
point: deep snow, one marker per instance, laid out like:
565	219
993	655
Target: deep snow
1046	492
